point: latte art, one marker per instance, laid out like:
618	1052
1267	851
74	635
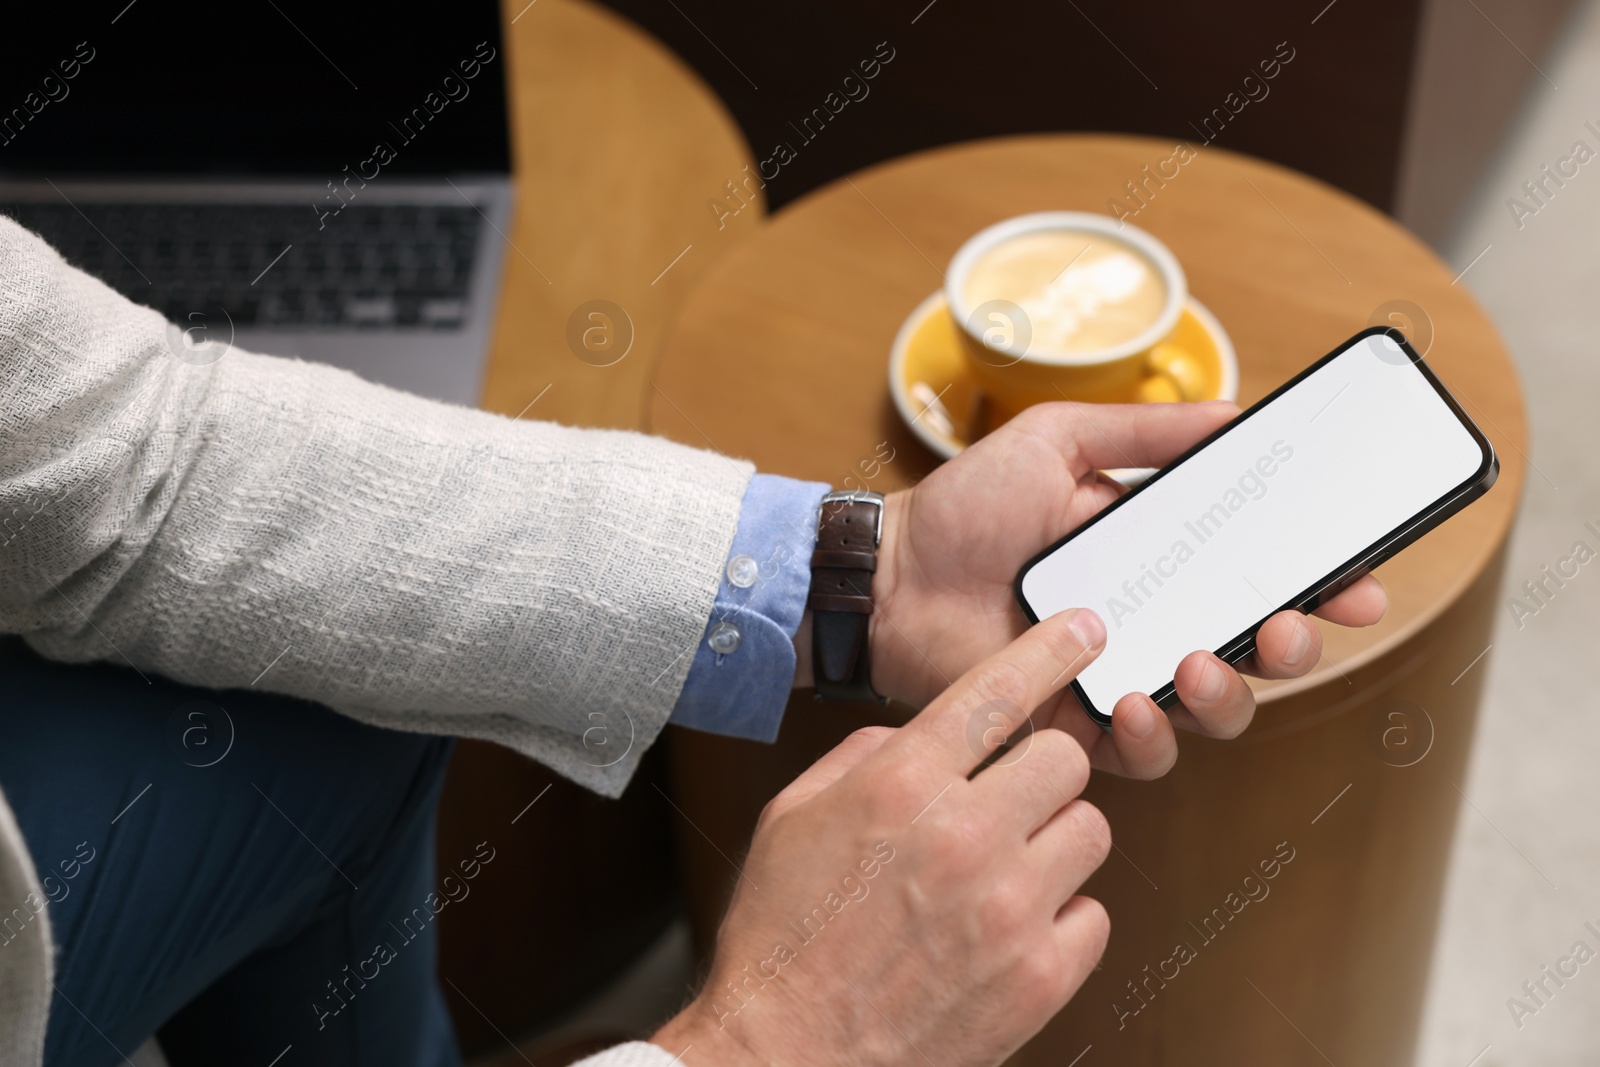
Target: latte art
1082	292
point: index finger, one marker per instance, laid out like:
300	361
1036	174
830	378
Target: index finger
1102	436
995	697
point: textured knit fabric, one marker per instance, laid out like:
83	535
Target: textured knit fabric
633	1054
743	693
270	523
25	955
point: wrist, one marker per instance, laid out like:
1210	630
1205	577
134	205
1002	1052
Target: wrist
881	625
696	1027
881	589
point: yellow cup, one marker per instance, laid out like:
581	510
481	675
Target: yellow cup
1001	340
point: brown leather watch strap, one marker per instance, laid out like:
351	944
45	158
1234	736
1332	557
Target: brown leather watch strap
845	558
841	595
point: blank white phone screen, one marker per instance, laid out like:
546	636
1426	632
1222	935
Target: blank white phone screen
1290	493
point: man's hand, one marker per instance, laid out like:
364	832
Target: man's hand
892	906
952	547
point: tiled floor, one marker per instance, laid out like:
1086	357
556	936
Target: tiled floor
1525	876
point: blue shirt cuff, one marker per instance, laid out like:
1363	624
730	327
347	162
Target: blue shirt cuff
742	690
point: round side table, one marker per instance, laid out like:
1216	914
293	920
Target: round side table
1345	788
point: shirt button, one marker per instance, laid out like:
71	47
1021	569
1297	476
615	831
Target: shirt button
742	571
724	638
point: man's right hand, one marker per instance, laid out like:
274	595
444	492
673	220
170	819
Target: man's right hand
893	910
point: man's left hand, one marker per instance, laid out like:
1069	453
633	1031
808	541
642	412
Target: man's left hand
952	547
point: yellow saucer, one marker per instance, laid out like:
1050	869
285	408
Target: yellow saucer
939	399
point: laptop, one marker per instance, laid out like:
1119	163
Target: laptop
327	181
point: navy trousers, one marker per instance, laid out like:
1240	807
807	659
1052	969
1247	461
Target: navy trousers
245	874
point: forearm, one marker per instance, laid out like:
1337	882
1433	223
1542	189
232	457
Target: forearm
277	524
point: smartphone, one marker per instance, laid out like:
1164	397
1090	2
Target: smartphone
1334	472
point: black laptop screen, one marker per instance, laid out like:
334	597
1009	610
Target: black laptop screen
252	87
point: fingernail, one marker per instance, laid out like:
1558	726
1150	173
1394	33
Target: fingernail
1213	683
1088	628
1299	645
1138	719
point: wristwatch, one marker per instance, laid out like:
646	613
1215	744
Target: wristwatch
849	529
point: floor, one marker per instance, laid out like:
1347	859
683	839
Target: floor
1525	875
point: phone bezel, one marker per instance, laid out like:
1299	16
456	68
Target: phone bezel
1384	548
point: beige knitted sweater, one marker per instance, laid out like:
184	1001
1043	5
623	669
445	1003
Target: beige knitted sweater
268	522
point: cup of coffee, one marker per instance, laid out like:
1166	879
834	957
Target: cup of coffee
1063	304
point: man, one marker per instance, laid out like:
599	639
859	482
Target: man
289	531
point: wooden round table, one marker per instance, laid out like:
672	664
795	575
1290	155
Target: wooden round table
1346	785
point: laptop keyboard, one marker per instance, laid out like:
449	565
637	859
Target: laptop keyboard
377	266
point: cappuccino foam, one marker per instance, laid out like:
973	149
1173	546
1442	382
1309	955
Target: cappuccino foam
1082	292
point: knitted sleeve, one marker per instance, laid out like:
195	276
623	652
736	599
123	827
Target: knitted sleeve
284	525
632	1054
